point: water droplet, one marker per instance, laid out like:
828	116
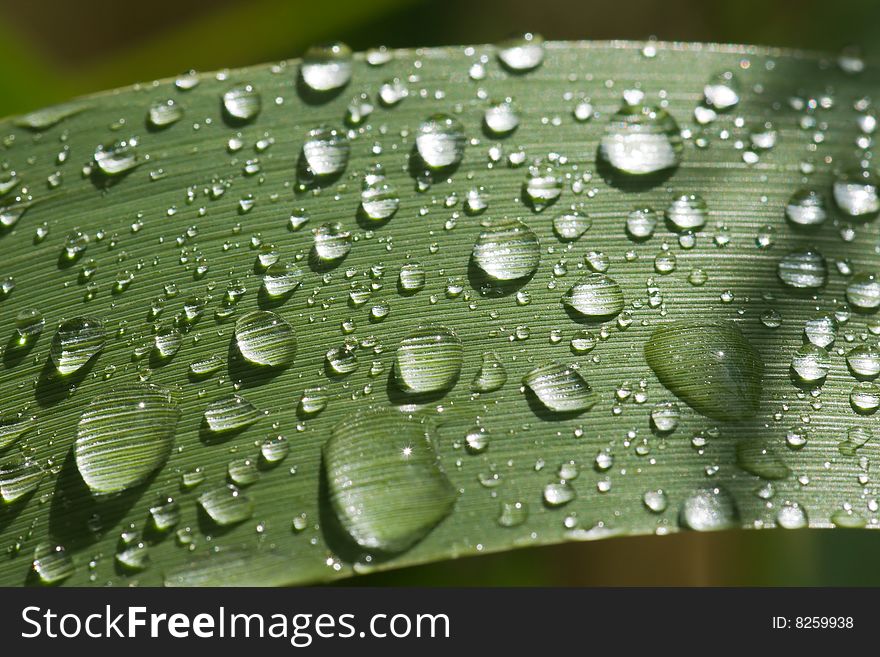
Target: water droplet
641	223
855	192
231	413
491	376
722	91
709	509
570	226
332	242
118	158
792	515
166	342
542	188
513	514
226	505
326	67
342	360
164	514
864	361
281	279
501	119
522	53
18	479
641	140
325	151
76	342
313	401
122	437
384	479
428	360
863	291
507	250
242	103
560	388
757	458
274	450
803	269
29	325
52	563
665	417
687	212
865	398
709	365
595	296
558	494
164	113
412	278
476	440
43	119
440	141
806	207
821	330
810	364
655	501
265	338
379	198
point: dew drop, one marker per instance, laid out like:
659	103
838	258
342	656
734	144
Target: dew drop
560	388
231	413
507	250
122	437
641	140
76	342
265	338
709	509
440	141
326	68
709	365
384	479
595	296
428	360
226	505
242	103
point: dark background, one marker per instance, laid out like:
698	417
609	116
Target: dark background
51	50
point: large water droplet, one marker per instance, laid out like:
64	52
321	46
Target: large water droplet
326	151
803	269
265	338
124	436
428	360
501	119
491	376
708	364
52	563
810	364
722	91
226	505
507	250
855	192
596	296
384	479
687	212
806	207
560	388
164	113
76	342
864	361
863	291
332	242
757	458
231	413
709	509
326	67
379	198
242	103
440	141
19	478
522	53
118	158
641	140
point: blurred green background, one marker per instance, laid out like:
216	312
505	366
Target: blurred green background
51	50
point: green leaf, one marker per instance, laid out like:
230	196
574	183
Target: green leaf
378	369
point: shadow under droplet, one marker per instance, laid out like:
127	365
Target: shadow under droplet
53	387
15	353
74	509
